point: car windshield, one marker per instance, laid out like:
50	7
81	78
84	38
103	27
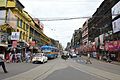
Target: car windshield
38	55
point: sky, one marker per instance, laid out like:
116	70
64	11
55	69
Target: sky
61	30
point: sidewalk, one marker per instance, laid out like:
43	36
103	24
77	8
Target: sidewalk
113	62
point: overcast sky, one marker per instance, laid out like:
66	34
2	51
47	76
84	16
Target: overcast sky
49	9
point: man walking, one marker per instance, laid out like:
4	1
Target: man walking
88	59
3	64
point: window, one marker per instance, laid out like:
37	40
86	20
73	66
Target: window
20	34
18	22
21	23
27	27
24	25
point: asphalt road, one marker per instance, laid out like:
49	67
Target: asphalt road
59	69
16	68
110	67
70	73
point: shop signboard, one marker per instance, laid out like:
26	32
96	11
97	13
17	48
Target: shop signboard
116	12
112	46
101	46
101	37
93	46
3	37
97	42
12	20
3	3
15	36
116	25
2	16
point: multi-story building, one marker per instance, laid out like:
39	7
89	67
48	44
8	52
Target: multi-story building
101	21
13	19
85	33
76	40
103	26
115	21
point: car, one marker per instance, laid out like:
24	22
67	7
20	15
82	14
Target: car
40	58
73	55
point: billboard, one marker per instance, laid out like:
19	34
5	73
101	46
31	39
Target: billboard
3	37
101	37
116	12
116	25
2	16
112	46
12	20
15	36
3	3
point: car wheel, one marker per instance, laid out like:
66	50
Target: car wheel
43	62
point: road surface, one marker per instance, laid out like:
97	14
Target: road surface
71	69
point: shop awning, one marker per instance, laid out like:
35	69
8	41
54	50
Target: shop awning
3	45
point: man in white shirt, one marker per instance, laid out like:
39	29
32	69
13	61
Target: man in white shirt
88	59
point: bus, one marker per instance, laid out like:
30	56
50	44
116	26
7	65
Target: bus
50	51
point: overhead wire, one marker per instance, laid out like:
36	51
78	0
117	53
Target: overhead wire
62	18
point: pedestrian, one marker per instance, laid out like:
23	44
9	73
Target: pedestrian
3	65
88	59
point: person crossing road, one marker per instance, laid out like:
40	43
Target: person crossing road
3	65
88	59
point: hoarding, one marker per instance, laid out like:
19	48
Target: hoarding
116	25
3	3
116	12
12	20
2	16
15	36
112	46
3	37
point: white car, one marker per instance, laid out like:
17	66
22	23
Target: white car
39	57
73	55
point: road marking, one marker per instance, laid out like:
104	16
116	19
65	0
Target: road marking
95	72
40	72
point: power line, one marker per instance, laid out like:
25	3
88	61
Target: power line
64	18
59	19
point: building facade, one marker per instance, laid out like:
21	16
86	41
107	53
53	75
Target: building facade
103	28
17	27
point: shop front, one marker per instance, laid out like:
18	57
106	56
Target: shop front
3	43
113	48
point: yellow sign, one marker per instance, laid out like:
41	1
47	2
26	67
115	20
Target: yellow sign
3	3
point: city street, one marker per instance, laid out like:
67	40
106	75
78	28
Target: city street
58	69
16	68
72	39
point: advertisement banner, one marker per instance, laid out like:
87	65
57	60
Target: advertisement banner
97	43
2	16
112	46
12	20
116	12
3	3
116	25
15	36
3	37
101	39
